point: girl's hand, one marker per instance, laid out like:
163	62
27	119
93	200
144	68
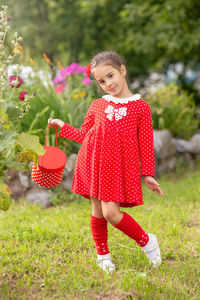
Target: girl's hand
54	123
153	185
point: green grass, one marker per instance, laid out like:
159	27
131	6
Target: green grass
50	254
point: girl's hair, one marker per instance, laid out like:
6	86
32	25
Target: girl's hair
108	57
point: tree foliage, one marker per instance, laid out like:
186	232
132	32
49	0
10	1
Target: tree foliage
147	33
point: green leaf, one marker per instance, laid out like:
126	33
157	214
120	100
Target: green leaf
19	166
28	156
30	143
13	113
7	138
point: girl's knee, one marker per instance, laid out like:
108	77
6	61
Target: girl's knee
111	211
109	216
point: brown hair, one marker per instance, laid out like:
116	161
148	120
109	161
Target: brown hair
108	57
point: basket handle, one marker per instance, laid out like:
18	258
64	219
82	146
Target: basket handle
47	135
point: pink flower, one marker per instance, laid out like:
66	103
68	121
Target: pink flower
86	81
8	19
15	81
80	69
59	89
22	95
74	68
59	78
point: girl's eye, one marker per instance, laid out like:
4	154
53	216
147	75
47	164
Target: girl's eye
110	75
101	82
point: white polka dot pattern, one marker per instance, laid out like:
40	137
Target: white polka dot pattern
108	162
45	178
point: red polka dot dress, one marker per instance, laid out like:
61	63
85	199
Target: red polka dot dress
116	137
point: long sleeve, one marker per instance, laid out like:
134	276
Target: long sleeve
69	132
146	142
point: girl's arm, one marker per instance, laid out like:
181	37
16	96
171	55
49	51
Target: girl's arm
146	149
69	132
146	142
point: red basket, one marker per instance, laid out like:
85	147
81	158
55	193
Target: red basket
49	170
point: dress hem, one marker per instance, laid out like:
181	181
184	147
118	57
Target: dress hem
121	204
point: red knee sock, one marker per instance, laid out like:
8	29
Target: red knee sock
100	234
131	228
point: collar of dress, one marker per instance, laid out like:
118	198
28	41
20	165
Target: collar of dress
121	100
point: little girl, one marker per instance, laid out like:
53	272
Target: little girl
116	136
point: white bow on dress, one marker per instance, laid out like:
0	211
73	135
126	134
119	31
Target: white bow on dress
118	112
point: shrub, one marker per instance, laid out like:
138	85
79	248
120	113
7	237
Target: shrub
14	105
173	109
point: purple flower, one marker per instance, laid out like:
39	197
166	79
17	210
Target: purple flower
65	72
80	69
58	79
74	68
8	19
86	81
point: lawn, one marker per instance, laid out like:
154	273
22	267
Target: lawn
50	254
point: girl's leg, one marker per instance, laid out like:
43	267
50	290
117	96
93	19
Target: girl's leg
96	208
100	236
99	227
130	227
124	222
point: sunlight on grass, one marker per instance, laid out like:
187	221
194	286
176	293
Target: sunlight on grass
50	254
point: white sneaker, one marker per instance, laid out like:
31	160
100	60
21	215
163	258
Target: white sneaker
105	263
152	251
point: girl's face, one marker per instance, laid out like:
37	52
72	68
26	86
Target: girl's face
111	80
